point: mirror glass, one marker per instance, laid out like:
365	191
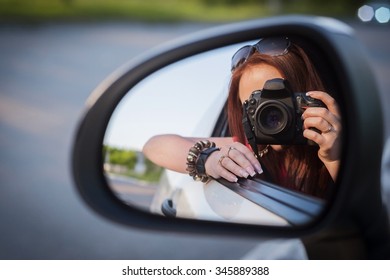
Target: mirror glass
187	98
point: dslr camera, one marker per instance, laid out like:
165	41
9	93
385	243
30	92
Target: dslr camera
273	115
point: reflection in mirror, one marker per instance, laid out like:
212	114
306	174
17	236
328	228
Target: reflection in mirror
188	99
184	98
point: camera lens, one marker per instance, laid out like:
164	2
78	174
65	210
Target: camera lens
272	118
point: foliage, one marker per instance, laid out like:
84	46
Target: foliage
127	159
168	10
122	157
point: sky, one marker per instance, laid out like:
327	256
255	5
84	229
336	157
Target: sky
184	98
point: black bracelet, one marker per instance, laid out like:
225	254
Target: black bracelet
196	159
200	163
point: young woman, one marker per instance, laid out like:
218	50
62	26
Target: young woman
308	168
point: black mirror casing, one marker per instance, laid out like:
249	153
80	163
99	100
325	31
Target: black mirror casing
356	202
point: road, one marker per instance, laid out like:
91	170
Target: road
47	72
377	42
132	191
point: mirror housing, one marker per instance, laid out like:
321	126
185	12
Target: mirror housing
358	182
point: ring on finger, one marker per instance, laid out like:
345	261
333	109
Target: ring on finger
330	128
230	148
221	159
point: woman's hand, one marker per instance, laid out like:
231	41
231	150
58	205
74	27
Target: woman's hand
232	162
327	121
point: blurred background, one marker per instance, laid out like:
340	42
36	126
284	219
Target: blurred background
170	10
53	53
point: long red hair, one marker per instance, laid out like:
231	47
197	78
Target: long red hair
298	166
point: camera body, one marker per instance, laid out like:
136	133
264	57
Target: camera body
273	115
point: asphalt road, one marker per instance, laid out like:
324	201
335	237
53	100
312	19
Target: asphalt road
132	191
47	72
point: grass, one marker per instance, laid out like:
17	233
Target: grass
148	10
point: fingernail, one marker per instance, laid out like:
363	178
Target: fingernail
250	171
258	168
308	93
234	179
244	173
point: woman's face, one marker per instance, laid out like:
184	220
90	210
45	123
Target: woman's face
253	79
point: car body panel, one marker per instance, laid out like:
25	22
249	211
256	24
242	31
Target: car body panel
211	201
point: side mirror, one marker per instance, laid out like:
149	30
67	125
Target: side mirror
346	71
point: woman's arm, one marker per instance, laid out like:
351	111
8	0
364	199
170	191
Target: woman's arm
171	150
232	160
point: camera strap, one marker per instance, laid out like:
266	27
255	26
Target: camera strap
250	136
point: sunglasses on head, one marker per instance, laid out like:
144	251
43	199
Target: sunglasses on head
273	46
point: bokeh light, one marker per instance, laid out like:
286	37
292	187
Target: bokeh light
366	13
382	15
